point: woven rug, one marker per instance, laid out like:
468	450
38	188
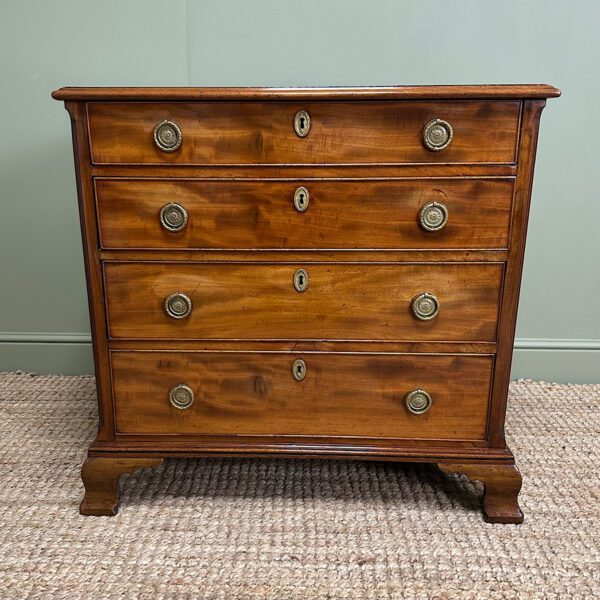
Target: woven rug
284	530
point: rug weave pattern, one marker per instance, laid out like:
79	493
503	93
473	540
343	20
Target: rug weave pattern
286	530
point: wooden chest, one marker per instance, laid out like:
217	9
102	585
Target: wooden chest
304	272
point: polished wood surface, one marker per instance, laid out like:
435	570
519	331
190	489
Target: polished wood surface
405	92
339	215
368	172
502	484
256	393
346	302
101	480
218	133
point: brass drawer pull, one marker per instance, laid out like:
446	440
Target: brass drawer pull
437	135
167	136
302	123
425	306
433	216
418	401
301	280
173	217
181	396
299	369
301	199
178	305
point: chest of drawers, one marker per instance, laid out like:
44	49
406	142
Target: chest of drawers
327	273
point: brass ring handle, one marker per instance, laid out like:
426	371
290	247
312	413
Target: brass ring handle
301	199
302	123
173	217
301	280
437	135
418	401
299	369
433	216
181	396
167	136
425	306
178	305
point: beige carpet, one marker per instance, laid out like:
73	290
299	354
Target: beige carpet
286	530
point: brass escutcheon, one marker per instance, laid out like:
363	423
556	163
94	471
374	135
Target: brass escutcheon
301	199
181	396
299	369
437	135
167	136
301	280
418	401
173	217
302	123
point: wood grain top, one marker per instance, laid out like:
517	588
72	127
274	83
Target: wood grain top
307	93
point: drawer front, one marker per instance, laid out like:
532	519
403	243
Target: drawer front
263	133
342	301
304	214
343	395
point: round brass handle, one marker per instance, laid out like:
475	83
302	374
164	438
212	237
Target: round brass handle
437	135
167	136
418	401
425	306
433	216
302	123
178	305
299	369
301	280
173	217
181	396
301	199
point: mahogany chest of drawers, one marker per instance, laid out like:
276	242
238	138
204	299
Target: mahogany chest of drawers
304	272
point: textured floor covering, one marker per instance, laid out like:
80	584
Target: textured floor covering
287	530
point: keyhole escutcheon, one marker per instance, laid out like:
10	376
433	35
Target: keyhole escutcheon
302	123
301	199
301	280
299	369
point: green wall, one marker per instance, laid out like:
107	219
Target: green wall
43	45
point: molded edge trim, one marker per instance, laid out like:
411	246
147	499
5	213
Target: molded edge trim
519	91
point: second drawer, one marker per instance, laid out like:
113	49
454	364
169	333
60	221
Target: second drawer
325	301
426	214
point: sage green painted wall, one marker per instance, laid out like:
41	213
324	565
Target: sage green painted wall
43	312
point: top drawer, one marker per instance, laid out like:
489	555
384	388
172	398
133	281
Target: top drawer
243	133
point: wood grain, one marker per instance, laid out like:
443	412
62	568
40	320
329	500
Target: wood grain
502	484
342	395
346	302
405	92
340	214
341	132
101	476
368	172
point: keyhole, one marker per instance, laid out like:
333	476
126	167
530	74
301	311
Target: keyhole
301	199
299	369
301	280
302	123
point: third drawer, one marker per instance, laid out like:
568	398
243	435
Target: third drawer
325	301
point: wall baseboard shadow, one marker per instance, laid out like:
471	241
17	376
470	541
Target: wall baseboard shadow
545	359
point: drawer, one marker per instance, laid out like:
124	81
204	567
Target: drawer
263	133
342	301
255	393
304	214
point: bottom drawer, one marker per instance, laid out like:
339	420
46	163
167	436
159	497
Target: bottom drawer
258	393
